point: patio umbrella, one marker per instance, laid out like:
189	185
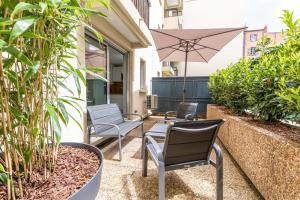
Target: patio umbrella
191	45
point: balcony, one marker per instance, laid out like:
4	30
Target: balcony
143	8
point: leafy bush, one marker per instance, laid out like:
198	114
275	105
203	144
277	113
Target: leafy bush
268	86
229	86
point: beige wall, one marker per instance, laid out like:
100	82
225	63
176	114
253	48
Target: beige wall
276	38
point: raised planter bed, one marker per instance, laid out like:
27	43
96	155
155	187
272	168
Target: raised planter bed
271	161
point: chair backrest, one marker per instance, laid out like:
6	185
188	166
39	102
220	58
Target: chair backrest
190	141
106	113
185	108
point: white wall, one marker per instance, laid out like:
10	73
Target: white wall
72	132
150	56
214	14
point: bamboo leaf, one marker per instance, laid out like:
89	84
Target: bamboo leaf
3	177
20	27
77	83
80	75
18	55
43	6
76	121
2	168
53	115
55	3
64	86
64	112
31	71
21	7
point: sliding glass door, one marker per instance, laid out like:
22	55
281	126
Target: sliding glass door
114	63
96	56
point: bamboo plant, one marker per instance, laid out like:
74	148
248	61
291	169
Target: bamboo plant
37	41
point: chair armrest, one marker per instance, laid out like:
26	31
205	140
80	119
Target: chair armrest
188	117
112	125
169	112
140	116
149	139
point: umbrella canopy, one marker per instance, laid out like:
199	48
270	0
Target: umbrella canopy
192	45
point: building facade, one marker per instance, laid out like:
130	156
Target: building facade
253	37
190	14
127	55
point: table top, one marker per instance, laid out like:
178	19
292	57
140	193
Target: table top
159	128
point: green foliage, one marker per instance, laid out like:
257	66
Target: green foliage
267	86
37	48
229	86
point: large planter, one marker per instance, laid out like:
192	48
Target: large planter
271	162
90	190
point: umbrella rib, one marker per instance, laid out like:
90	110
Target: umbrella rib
206	47
200	55
220	33
168	47
168	54
167	34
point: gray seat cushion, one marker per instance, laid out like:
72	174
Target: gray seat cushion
124	127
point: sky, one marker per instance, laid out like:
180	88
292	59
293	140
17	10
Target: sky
267	12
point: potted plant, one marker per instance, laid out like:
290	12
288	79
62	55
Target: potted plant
37	44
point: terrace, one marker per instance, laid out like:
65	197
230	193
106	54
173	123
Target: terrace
83	93
123	180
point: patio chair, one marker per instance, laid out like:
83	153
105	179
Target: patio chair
185	111
108	121
187	144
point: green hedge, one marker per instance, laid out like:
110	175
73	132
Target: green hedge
267	86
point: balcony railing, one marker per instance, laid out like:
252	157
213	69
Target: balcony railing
143	7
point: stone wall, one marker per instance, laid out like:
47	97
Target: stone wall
271	162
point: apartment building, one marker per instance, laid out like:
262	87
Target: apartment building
192	14
127	55
253	37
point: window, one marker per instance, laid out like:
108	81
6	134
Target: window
172	13
252	51
253	37
143	74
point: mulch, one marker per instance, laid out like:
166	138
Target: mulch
279	128
74	168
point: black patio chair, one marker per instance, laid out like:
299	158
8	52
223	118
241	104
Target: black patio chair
185	111
187	144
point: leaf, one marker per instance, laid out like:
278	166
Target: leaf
3	178
104	3
64	112
52	112
64	86
55	3
31	71
20	27
77	83
43	6
2	44
80	75
76	121
21	7
18	55
2	168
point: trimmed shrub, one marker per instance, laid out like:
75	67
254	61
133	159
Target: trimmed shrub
268	86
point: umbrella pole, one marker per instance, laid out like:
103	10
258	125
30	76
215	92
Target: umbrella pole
184	78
